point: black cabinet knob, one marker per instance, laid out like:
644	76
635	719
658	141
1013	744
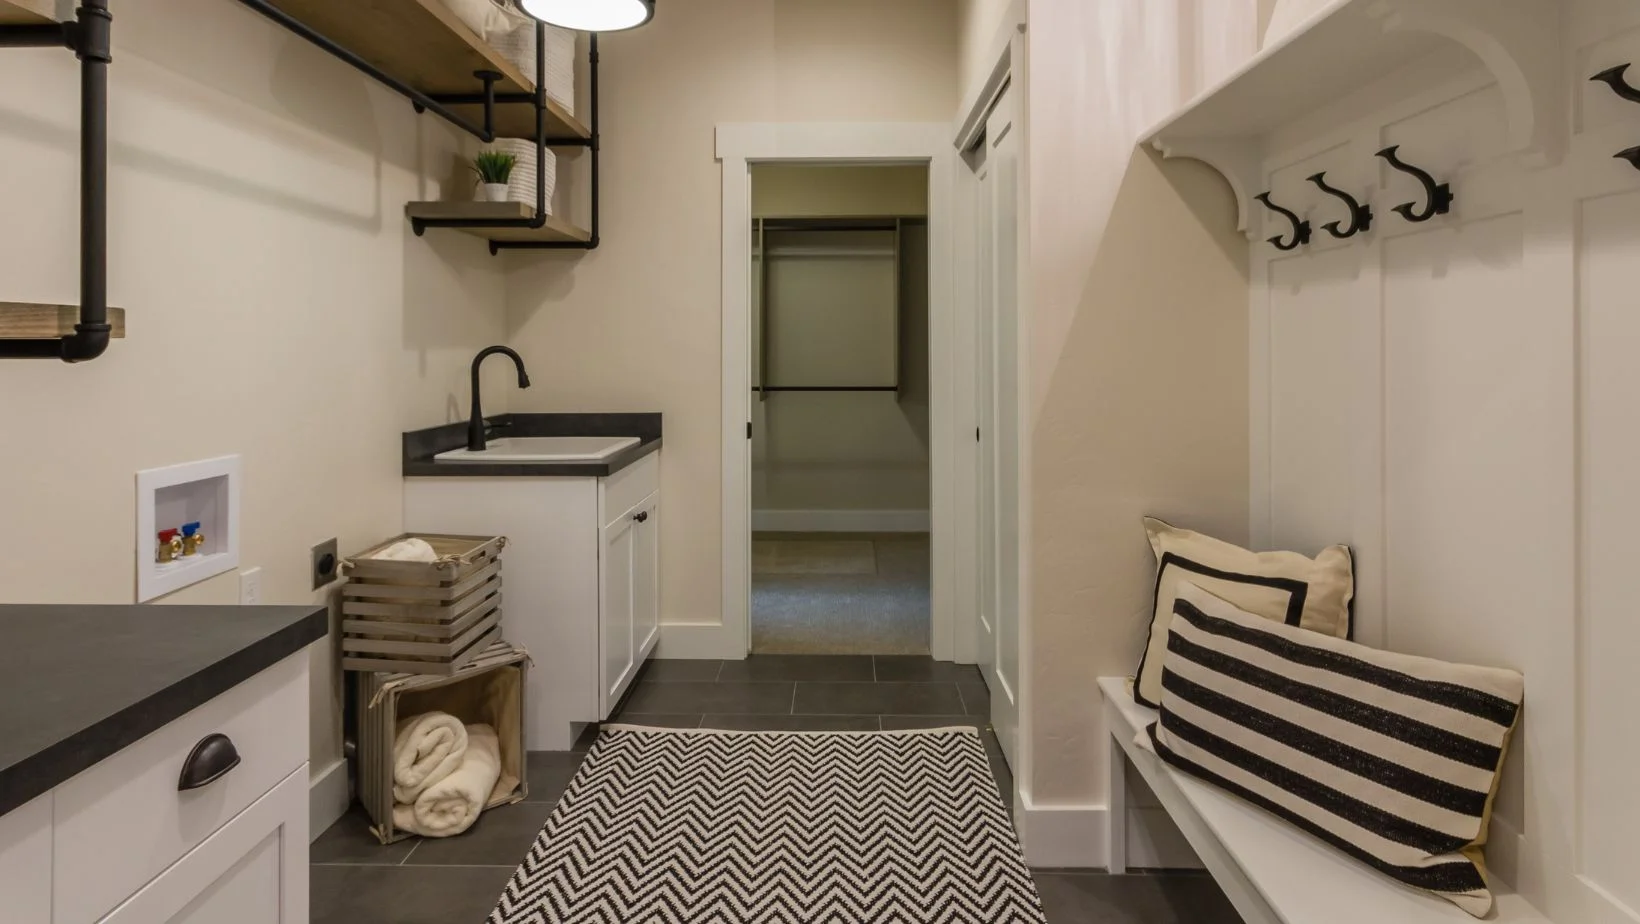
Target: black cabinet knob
641	517
209	761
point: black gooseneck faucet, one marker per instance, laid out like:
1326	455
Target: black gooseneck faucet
475	424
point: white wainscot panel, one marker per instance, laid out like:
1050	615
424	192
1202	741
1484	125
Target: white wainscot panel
1313	307
1609	274
1470	394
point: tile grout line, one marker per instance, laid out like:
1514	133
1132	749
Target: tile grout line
961	699
413	848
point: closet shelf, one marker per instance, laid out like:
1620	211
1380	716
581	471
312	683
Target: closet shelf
25	12
424	44
1349	44
556	230
25	321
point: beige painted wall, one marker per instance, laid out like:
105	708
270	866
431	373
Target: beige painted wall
636	325
1138	375
279	306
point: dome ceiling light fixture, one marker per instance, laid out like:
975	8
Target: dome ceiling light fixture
590	15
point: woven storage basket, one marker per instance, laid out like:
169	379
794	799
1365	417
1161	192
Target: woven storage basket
489	690
521	185
422	617
518	46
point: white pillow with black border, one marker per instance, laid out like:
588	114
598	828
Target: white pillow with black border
1311	593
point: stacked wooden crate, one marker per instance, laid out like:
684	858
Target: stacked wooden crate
422	617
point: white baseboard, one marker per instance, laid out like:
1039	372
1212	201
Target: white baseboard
1062	836
328	798
700	642
841	521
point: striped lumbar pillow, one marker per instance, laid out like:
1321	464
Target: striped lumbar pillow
1315	593
1393	759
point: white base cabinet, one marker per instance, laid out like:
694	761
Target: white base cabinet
119	844
580	580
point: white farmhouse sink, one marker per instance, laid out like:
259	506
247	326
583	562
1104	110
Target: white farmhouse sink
544	449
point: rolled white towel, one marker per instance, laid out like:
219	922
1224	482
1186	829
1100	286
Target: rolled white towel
407	550
426	748
451	805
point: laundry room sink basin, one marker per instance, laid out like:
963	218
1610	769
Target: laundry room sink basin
544	449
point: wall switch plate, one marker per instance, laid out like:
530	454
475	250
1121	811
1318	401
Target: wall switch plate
325	563
250	587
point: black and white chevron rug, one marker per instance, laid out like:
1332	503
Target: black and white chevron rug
707	827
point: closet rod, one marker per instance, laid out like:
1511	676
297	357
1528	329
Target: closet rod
775	388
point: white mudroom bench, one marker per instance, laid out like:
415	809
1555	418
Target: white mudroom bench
1272	872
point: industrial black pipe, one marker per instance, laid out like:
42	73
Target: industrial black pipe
90	37
91	334
422	100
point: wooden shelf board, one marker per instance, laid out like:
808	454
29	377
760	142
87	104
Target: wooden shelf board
556	229
424	44
26	12
27	321
1338	51
518	121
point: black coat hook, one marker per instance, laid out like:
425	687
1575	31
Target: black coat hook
1440	195
1360	215
1613	77
1632	155
1301	229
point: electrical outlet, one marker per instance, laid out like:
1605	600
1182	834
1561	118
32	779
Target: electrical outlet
250	587
324	563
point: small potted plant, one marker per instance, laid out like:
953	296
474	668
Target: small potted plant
494	169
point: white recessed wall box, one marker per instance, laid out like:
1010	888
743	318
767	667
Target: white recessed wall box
206	493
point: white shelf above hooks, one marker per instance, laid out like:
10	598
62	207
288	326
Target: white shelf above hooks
1351	43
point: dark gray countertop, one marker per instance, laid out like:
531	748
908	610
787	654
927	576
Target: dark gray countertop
78	683
420	446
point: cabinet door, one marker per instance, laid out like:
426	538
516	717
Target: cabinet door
646	579
616	629
254	870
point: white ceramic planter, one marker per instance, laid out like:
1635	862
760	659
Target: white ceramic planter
491	192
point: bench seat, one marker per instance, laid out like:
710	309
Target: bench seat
1271	871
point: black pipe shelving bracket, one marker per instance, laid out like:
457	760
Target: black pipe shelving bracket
439	104
592	143
90	37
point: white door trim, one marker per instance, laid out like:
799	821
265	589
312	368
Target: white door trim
738	146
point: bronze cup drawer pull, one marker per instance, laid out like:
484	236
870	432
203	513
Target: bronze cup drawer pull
209	761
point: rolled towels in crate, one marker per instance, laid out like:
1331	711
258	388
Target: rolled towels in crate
451	805
518	46
408	550
426	749
521	185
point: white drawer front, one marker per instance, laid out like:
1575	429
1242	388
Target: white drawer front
122	822
628	487
253	871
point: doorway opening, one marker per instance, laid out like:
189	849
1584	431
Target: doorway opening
841	395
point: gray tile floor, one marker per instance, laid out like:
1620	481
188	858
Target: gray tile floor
456	880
